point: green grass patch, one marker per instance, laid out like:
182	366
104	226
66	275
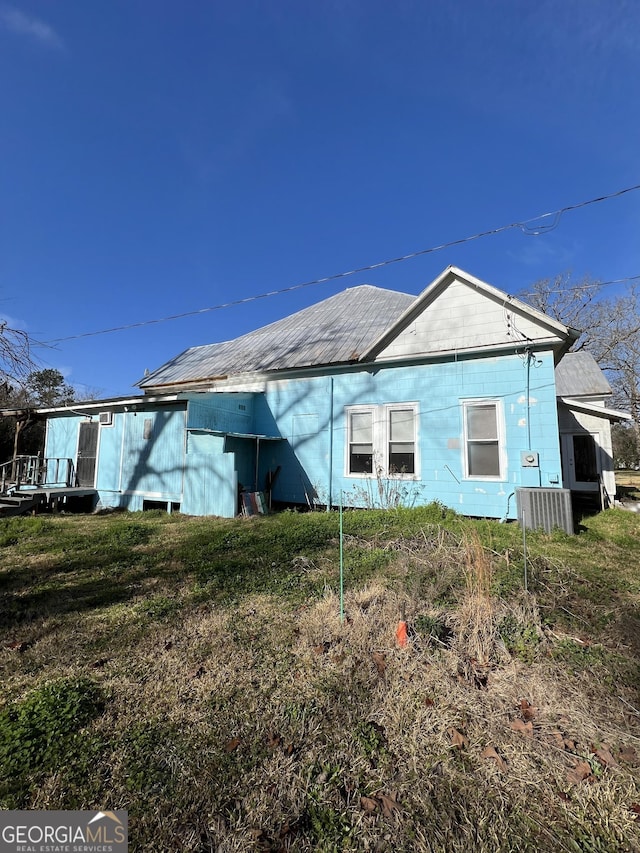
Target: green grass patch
521	639
44	731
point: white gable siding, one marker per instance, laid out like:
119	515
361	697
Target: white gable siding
463	318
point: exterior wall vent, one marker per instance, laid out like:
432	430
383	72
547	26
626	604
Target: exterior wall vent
106	418
546	508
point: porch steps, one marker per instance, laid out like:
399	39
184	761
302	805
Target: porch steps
18	504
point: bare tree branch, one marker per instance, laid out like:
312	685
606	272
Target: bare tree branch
610	331
16	361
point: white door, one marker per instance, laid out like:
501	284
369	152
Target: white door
581	461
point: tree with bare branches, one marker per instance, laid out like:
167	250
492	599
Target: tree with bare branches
16	361
610	332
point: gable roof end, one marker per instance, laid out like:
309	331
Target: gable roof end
564	334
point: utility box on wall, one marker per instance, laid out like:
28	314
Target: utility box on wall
546	508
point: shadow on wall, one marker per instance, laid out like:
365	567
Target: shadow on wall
153	454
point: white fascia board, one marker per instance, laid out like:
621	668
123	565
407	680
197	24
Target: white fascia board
593	409
107	405
498	349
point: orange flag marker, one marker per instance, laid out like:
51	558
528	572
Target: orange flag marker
401	633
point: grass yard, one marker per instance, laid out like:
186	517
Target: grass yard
197	673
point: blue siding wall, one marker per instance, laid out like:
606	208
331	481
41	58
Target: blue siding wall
222	412
109	450
314	458
210	481
141	456
170	453
214	465
62	437
153	455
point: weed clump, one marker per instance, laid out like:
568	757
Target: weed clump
43	732
433	628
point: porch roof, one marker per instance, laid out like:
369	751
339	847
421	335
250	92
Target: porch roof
228	433
594	409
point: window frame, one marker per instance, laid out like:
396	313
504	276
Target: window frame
381	439
360	410
400	407
499	440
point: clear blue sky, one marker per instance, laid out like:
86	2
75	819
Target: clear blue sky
161	157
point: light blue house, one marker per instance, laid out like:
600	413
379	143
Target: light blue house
371	397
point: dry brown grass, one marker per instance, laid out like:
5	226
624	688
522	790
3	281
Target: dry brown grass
266	725
627	477
296	717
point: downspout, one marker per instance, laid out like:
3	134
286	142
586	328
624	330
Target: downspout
185	439
255	481
330	484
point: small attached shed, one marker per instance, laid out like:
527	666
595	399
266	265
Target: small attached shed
585	419
190	452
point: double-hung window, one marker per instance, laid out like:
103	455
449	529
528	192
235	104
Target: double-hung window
401	456
361	441
382	440
483	443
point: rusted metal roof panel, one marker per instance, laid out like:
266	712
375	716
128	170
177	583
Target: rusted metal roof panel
335	331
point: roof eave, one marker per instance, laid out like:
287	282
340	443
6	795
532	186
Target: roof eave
104	405
592	408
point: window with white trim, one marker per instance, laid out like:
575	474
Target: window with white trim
401	458
483	439
360	427
382	440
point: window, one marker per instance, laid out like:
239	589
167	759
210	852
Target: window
361	442
482	429
382	440
402	443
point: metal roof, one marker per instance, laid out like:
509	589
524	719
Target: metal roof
335	331
578	374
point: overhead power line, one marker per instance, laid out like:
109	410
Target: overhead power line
595	285
527	226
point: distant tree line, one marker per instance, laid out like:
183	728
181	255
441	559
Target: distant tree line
610	330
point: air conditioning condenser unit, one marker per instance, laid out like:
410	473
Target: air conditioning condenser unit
546	508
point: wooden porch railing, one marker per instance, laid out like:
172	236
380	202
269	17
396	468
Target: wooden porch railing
34	471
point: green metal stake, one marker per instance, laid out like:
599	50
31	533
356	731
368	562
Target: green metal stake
341	566
524	550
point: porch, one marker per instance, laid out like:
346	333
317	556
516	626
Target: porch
31	482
